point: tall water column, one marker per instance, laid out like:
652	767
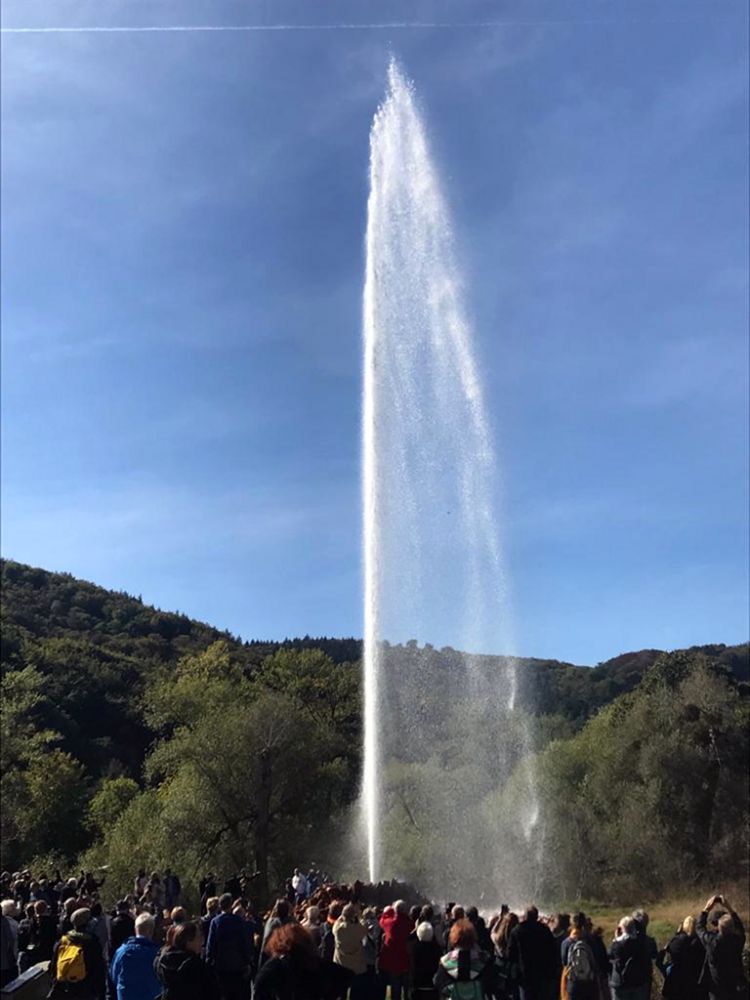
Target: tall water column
443	738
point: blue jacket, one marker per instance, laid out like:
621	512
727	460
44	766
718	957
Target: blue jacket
229	947
132	970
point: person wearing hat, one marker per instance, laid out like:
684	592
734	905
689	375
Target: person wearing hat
77	968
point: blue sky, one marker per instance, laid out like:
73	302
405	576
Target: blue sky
183	221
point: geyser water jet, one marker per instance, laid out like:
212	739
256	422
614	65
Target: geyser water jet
443	738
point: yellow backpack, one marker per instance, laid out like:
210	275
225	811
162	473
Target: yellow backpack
71	965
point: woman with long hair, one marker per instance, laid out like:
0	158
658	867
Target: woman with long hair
280	915
506	973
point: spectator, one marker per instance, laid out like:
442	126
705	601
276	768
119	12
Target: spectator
724	948
207	889
122	926
99	927
372	943
212	910
77	968
649	947
88	884
349	951
8	961
484	941
66	921
628	963
299	885
172	889
424	959
281	914
10	912
139	883
506	973
394	953
328	944
229	951
133	972
464	973
45	932
531	953
312	925
685	958
295	971
25	939
179	969
580	973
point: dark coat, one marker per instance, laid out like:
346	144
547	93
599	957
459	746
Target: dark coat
685	959
229	948
424	959
631	966
183	976
533	950
121	928
285	979
724	956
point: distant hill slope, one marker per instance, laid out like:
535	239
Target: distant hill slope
96	647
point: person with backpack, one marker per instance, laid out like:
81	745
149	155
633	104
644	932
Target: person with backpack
580	979
531	950
464	972
724	948
77	969
629	972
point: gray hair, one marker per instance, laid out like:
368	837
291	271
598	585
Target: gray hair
425	931
641	917
144	925
9	907
399	906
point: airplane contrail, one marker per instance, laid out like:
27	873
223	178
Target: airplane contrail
107	29
90	29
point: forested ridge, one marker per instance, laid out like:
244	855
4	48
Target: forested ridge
129	732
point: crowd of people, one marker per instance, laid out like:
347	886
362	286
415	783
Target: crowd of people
322	942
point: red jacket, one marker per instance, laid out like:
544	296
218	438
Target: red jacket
394	953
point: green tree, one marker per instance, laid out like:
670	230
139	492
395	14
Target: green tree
106	807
